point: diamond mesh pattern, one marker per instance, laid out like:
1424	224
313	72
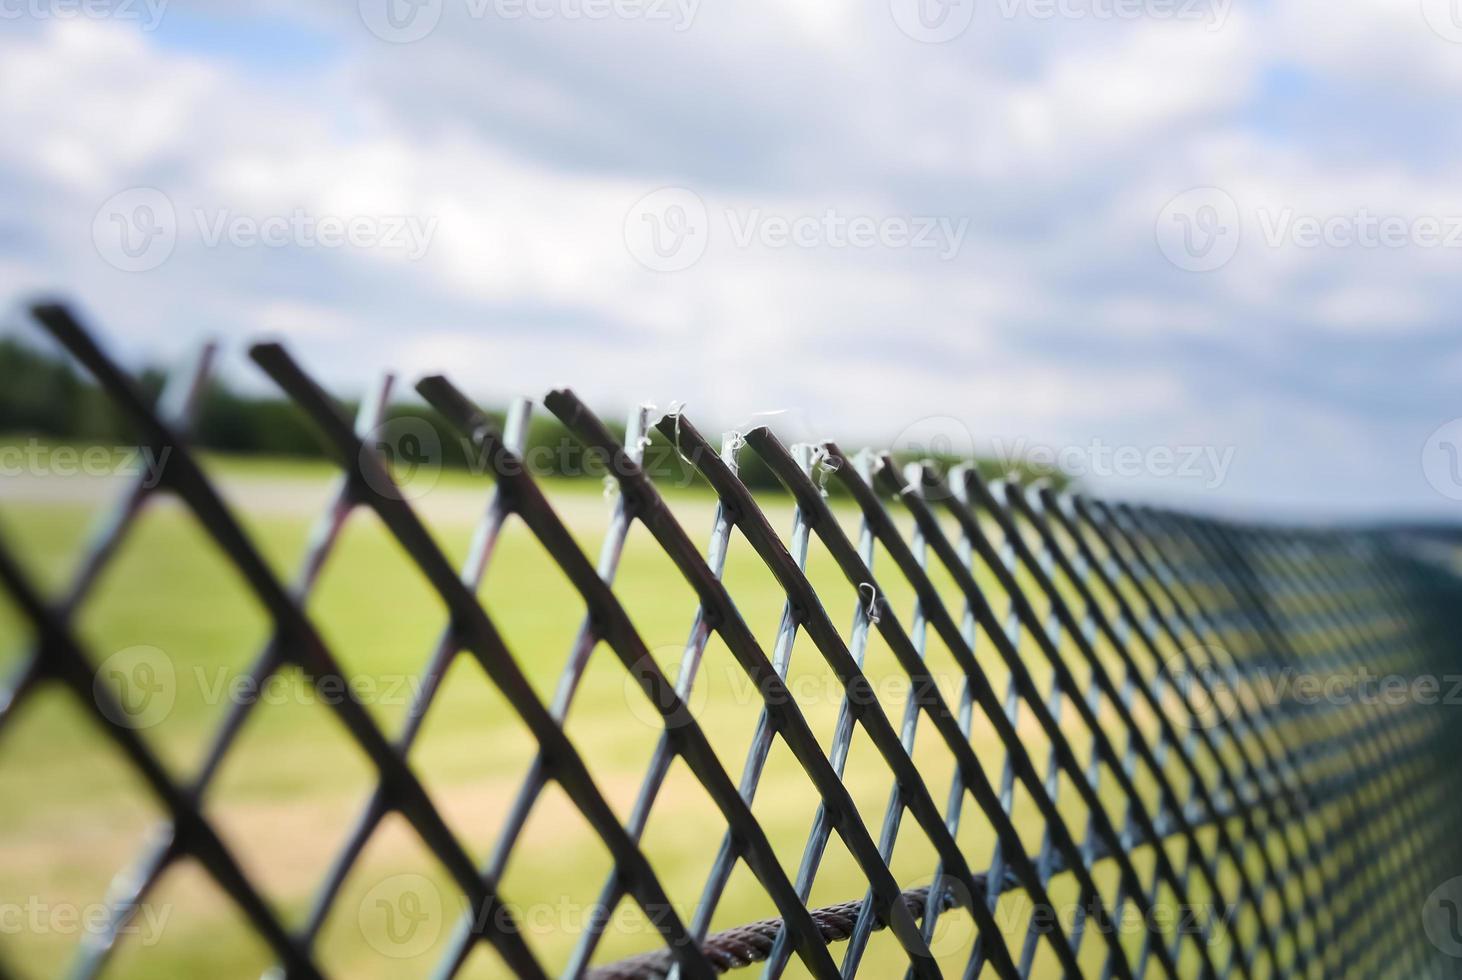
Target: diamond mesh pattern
1123	657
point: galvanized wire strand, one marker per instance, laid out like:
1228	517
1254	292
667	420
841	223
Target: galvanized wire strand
960	566
1263	774
295	634
746	945
1035	508
1315	830
479	554
760	748
932	702
664	754
875	722
976	688
459	947
1206	864
842	738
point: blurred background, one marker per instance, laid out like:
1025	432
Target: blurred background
1224	230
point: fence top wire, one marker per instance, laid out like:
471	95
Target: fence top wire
1127	662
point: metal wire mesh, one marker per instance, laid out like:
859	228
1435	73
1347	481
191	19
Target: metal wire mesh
1122	657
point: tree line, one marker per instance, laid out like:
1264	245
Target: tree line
46	397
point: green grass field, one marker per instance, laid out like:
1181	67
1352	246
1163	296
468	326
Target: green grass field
72	814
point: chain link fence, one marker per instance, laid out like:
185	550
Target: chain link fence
1212	748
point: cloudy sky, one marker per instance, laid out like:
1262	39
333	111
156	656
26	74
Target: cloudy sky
1196	249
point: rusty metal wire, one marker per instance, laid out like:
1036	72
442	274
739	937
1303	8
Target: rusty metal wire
1122	657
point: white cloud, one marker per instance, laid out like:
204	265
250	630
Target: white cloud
527	144
1365	42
